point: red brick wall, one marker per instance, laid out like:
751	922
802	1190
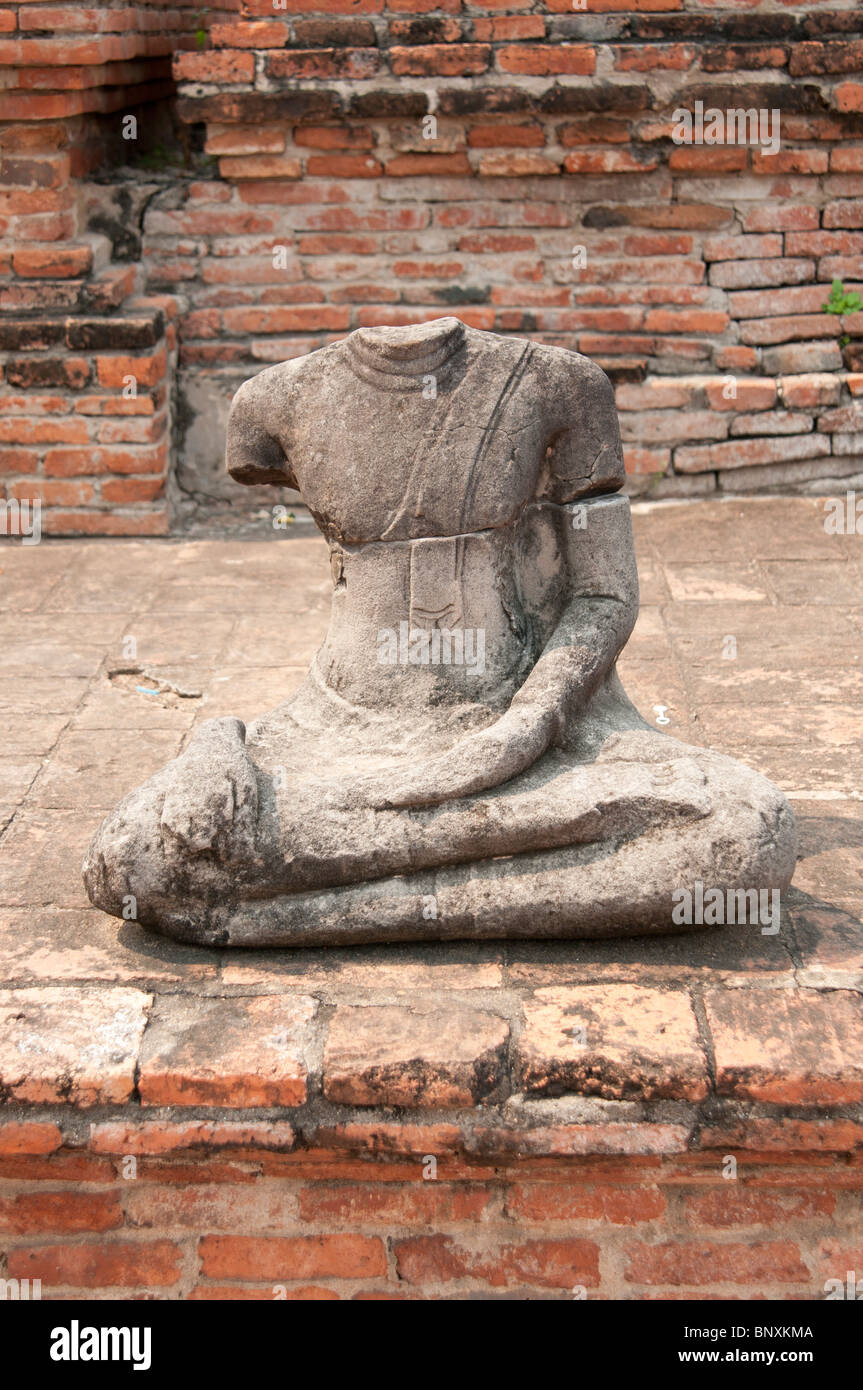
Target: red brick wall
457	1138
551	130
96	457
238	1218
74	326
67	70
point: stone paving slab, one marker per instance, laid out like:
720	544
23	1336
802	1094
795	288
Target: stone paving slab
750	640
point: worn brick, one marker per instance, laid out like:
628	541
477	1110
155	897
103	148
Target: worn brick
746	275
686	321
214	67
713	159
748	394
786	328
847	418
639	461
492	136
608	162
513	165
60	522
387	1205
70	1045
344	33
34	1213
406	165
575	1201
802	299
52	261
771	422
106	1264
343	166
788	1048
697	1263
260	166
735	248
229	1052
843	55
618	1041
794	359
655	394
440	60
420	1056
555	1264
845	212
734	1205
294	1257
743	453
345	137
233	1293
785	1135
245	140
547	60
29	1137
167	1136
147	370
671	426
39	372
255	35
342	64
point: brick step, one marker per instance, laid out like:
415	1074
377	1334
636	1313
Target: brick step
100	292
138	329
31	296
111	287
59	260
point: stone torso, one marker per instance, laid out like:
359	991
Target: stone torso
434	432
422	454
452	446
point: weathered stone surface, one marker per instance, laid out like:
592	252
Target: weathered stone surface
73	1045
41	946
461	760
88	767
831	946
617	1041
424	1056
241	1051
42	850
364	970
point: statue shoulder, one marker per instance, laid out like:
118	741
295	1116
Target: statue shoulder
260	413
585	456
263	418
271	390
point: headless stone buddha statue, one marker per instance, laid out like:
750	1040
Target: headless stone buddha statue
461	760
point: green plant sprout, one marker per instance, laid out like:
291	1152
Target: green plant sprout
841	302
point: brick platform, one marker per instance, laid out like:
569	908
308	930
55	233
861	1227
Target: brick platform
424	1121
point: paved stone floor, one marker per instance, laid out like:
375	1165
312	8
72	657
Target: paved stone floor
749	640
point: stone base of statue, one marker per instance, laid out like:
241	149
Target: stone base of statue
461	760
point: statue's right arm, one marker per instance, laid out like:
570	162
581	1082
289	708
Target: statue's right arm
254	452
